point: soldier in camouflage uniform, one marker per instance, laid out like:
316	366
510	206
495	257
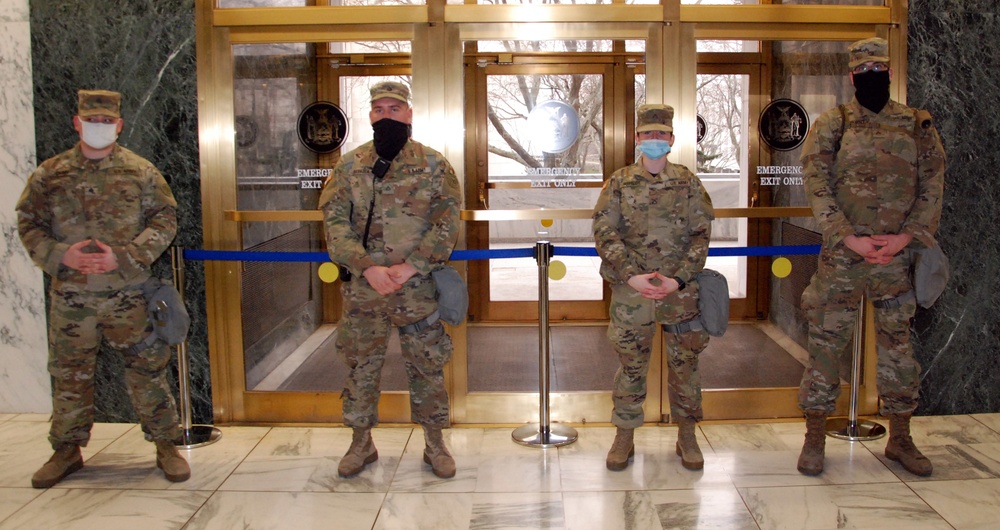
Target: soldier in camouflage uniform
94	219
389	232
652	225
874	175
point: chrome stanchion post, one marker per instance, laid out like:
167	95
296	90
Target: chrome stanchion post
850	428
543	434
191	435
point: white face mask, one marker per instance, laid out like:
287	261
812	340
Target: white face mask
98	135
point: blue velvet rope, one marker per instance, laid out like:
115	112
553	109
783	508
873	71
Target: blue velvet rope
468	255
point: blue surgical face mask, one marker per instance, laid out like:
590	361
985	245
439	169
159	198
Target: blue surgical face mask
654	149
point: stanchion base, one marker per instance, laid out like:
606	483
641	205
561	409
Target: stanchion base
198	436
845	429
532	435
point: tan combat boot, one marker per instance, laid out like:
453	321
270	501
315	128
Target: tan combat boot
436	454
361	453
64	461
901	448
811	458
621	450
687	445
174	467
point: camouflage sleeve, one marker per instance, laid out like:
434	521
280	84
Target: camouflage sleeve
922	222
160	215
819	153
34	225
437	243
701	214
618	262
342	242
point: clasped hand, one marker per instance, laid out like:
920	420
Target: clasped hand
90	256
878	249
653	285
386	280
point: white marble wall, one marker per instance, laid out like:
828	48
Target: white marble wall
24	381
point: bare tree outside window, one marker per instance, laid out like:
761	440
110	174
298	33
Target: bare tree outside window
513	142
720	100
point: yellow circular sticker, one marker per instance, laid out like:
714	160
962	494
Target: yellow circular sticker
781	267
328	272
546	222
557	270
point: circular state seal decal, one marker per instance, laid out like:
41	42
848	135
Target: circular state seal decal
554	126
702	127
322	127
783	124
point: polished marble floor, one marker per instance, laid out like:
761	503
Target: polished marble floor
286	477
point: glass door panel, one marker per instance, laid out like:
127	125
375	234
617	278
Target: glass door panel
544	149
722	166
289	316
542	145
545	146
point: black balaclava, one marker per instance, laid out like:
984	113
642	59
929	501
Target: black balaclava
872	89
390	137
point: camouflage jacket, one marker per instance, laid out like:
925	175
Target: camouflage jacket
416	214
887	178
121	200
645	223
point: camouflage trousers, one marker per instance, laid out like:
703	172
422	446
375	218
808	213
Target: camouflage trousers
631	331
831	304
78	322
362	339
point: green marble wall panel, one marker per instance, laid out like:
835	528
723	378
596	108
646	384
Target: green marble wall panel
145	50
953	58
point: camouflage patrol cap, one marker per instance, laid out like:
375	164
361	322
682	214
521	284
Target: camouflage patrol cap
873	50
654	118
390	89
99	103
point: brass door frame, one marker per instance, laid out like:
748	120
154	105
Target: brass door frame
609	66
437	30
755	305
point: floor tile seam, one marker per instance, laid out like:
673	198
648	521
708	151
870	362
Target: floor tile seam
923	500
242	460
102	451
41	492
746	505
17	417
932	480
399	462
91	487
34	499
647	488
300	490
825	484
977	420
194	513
885	463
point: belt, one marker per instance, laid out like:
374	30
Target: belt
688	325
893	303
421	324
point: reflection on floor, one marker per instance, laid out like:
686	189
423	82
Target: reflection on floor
285	477
505	359
751	355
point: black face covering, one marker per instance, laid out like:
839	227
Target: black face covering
872	90
390	137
